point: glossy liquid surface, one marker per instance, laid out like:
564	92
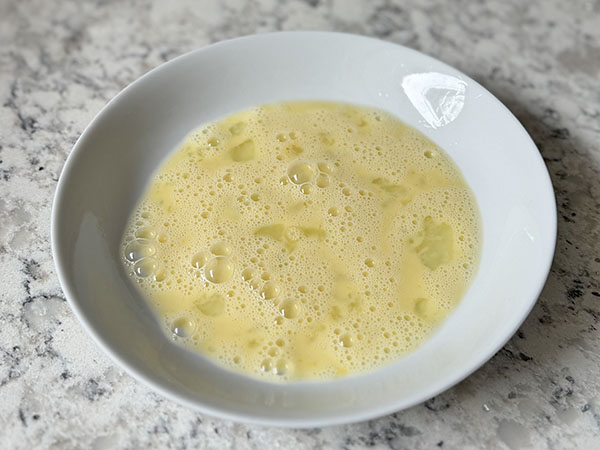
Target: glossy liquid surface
304	240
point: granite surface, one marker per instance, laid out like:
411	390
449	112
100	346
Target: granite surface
61	61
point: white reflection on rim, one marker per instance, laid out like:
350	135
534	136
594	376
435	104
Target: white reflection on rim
439	98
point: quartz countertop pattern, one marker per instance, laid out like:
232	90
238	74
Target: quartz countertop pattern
61	61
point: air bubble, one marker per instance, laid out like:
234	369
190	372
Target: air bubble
325	167
145	233
219	269
199	259
183	327
300	173
289	308
248	274
145	267
333	212
306	188
270	290
160	275
323	180
266	365
221	249
283	367
138	249
346	340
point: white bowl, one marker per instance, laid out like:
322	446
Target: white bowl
126	142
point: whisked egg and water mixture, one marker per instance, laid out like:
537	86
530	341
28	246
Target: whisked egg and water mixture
304	240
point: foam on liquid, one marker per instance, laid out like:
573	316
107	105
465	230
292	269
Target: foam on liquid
304	240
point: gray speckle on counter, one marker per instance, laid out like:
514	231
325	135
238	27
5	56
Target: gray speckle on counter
61	61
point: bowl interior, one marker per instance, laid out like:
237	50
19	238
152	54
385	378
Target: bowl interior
118	153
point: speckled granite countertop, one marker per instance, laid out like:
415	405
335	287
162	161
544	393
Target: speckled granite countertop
61	61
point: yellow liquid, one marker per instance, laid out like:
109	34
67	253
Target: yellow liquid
304	240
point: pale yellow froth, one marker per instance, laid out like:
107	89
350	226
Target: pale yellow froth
304	240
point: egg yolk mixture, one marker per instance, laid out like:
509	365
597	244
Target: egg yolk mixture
304	240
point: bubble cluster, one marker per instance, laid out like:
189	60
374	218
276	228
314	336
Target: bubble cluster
304	240
217	265
308	175
141	251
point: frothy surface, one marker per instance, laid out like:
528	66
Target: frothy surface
304	240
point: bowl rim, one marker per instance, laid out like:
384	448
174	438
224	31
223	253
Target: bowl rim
67	286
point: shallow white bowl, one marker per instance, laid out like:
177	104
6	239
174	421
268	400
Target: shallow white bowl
117	154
